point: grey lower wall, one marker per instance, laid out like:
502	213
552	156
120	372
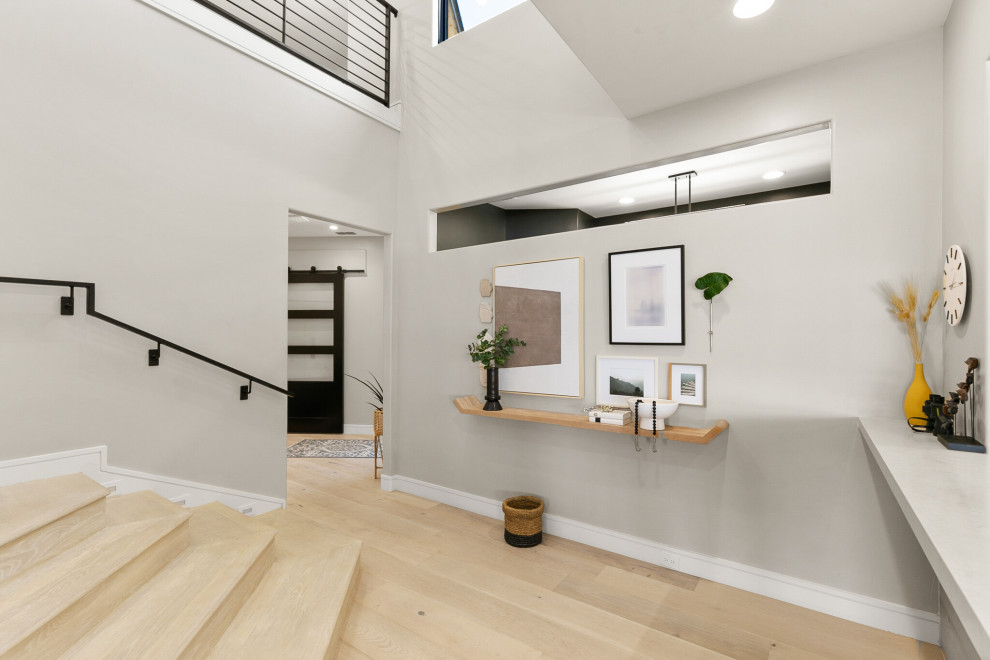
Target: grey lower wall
804	343
144	156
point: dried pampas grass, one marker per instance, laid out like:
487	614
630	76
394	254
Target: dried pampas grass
904	307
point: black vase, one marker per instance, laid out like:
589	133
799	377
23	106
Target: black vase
491	395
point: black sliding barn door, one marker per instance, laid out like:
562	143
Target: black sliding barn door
317	402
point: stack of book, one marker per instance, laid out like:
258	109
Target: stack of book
615	417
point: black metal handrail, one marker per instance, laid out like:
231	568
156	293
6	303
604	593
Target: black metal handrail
68	307
352	46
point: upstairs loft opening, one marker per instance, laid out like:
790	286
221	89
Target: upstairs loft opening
789	165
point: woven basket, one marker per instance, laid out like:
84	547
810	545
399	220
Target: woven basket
379	422
523	521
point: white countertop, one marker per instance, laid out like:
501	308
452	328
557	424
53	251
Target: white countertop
945	496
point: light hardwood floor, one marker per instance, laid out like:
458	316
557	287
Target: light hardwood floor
438	582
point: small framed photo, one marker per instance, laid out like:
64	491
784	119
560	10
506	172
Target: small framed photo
619	378
646	296
687	383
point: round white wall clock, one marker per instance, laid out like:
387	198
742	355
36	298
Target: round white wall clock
954	285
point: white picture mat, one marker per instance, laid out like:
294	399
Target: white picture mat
670	331
565	277
604	365
674	381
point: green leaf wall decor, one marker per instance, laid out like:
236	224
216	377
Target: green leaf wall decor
712	284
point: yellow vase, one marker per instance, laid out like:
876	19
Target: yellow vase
916	395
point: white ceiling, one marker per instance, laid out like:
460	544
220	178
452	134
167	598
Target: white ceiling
302	226
652	54
804	158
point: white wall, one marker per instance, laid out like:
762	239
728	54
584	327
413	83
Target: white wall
964	214
964	201
803	345
364	320
144	156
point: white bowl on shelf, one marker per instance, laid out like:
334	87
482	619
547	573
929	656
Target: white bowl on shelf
665	408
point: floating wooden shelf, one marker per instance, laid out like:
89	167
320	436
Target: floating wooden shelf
470	405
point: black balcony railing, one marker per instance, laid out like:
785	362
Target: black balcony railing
348	39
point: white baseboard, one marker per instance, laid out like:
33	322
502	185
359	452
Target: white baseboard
358	429
829	600
92	462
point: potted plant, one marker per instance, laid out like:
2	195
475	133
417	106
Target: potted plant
492	353
379	420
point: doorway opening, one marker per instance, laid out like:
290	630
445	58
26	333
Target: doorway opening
337	283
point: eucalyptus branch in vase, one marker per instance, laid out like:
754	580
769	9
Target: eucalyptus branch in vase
492	353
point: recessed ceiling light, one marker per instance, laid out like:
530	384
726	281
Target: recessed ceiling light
627	200
773	174
751	8
334	227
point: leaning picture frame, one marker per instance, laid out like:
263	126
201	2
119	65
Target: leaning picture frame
687	384
542	303
618	378
646	296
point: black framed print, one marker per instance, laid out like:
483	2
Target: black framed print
646	296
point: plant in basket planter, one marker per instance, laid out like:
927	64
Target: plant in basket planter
378	392
375	388
492	353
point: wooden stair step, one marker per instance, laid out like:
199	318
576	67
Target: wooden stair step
61	534
216	522
180	612
42	518
141	505
301	536
48	607
298	608
28	506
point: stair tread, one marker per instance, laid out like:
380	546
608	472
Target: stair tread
51	539
167	613
32	599
300	536
215	521
295	610
141	505
28	506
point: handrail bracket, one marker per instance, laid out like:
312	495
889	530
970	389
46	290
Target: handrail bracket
154	356
68	307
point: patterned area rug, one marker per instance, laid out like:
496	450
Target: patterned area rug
332	448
